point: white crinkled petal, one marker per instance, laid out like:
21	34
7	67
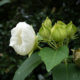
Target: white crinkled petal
22	38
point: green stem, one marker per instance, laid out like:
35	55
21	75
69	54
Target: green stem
39	47
66	64
51	45
54	44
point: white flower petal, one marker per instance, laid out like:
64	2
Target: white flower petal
22	38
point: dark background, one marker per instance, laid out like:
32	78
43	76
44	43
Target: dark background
33	12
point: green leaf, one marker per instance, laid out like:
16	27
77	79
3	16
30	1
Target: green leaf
27	67
2	2
52	57
71	72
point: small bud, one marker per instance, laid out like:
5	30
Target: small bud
45	30
71	29
58	32
77	57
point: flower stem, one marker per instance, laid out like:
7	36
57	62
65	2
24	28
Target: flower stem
54	44
66	65
51	45
39	47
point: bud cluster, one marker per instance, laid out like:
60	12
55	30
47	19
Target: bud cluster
58	32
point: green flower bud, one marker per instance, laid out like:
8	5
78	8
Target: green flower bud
58	32
47	23
61	23
71	29
45	30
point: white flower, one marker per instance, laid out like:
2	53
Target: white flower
22	38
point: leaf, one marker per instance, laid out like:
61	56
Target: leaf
2	2
27	67
52	58
62	72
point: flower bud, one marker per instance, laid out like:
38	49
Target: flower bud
71	29
58	32
45	30
23	38
47	23
77	57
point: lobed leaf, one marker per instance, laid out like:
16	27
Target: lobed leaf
52	58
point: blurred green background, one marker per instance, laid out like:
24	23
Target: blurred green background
33	12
